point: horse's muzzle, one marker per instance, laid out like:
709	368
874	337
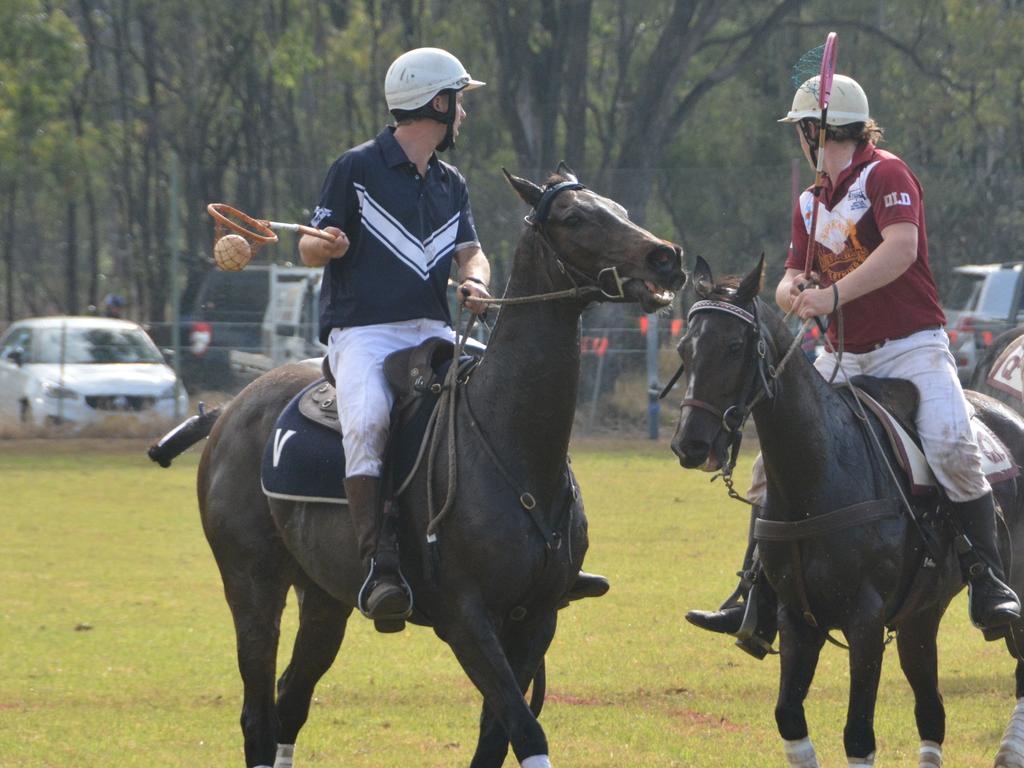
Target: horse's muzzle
666	263
692	453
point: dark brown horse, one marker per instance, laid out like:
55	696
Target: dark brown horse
515	539
820	458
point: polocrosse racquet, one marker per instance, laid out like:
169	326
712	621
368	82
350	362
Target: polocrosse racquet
238	235
828	69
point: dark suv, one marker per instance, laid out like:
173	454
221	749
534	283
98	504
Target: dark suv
984	301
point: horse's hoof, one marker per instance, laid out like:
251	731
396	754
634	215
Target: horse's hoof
388	626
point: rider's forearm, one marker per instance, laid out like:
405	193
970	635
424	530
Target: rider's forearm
473	266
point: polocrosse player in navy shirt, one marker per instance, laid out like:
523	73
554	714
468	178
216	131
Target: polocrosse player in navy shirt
399	216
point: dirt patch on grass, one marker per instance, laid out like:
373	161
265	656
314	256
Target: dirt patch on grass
576	701
704	720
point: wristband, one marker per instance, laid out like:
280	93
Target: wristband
476	280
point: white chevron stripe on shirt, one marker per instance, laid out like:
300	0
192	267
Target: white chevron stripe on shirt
421	257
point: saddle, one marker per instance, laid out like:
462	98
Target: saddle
304	459
894	402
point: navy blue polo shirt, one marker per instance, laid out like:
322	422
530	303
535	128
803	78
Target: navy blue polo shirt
403	231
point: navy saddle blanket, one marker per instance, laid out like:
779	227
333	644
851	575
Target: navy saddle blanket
304	459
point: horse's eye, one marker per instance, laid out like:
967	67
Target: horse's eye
735	346
572	220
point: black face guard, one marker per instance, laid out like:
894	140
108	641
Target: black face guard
446	118
812	134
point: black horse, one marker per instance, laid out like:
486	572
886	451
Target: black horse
819	457
516	536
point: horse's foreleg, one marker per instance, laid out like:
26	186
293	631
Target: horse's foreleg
920	663
525	649
800	646
1011	748
865	634
474	640
322	621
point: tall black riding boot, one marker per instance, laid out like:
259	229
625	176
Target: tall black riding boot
993	605
383	597
729	616
750	612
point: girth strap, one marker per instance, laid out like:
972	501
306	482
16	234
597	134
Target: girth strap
847	517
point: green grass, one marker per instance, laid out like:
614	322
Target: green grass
117	649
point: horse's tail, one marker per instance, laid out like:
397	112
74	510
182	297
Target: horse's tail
183	436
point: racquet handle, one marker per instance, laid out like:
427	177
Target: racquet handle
302	229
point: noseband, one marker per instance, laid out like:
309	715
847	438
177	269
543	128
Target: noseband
759	386
538	217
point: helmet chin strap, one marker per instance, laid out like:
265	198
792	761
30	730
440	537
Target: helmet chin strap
448	118
811	137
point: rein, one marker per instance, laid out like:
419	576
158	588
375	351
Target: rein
794	532
536	220
445	411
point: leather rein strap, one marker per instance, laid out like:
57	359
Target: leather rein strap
536	220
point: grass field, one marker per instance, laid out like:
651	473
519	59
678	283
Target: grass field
117	649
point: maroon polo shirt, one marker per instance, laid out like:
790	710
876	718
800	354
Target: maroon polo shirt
876	190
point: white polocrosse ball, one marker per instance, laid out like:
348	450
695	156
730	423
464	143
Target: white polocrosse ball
232	253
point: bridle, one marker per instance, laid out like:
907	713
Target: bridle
536	220
760	384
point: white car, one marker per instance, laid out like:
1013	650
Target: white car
82	369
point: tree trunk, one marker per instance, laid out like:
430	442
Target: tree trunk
10	222
71	257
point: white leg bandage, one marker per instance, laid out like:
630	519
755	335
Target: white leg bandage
1011	748
861	762
284	756
929	755
800	753
537	761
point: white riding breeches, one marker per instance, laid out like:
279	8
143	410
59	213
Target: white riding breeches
356	358
943	415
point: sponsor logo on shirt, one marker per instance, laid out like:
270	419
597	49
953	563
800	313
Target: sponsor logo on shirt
319	214
896	198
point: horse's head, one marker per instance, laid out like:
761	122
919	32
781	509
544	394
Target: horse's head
598	245
723	354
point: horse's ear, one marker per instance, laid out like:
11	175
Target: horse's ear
566	172
752	283
527	190
703	282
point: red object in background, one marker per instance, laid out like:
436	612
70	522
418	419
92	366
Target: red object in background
202	336
676	326
594	345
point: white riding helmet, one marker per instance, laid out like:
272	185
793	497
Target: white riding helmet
847	104
415	77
